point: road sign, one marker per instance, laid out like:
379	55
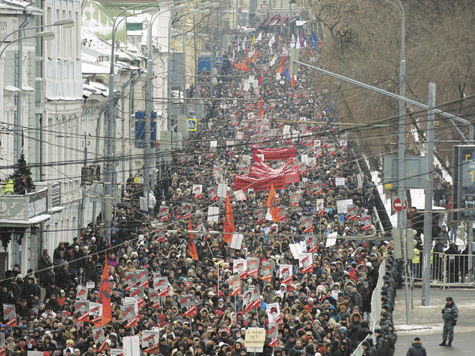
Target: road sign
192	124
415	172
464	182
219	60
398	206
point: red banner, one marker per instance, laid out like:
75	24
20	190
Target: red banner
273	154
259	185
261	169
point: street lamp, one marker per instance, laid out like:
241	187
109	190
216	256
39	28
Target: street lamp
108	169
149	104
401	218
46	35
66	23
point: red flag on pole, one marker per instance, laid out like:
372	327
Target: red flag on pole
281	66
259	81
261	108
228	221
191	244
272	205
292	80
105	296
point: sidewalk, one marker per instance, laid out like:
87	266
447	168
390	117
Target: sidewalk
427	322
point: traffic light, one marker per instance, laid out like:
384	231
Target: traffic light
397	245
410	233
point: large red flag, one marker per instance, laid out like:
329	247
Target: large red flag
105	296
241	66
228	221
191	244
272	205
281	66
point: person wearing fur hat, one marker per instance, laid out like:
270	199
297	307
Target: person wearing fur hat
416	348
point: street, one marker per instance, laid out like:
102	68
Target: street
428	322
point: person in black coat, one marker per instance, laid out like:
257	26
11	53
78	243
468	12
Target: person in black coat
416	348
30	289
44	265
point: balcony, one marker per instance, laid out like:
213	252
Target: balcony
24	210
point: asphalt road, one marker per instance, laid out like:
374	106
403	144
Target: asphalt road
427	322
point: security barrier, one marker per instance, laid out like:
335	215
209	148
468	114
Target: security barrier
375	309
451	269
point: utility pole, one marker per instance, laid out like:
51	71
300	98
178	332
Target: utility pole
428	198
133	74
131	110
148	116
83	193
470	250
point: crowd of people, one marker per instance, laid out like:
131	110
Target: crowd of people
323	309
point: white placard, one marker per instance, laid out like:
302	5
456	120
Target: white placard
359	178
331	239
320	204
237	241
222	189
213	214
342	205
296	250
90	285
339	181
213	144
131	346
239	195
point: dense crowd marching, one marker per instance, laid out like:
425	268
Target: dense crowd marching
177	272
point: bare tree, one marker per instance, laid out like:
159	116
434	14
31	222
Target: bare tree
363	42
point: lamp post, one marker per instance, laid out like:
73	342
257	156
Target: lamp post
109	164
149	107
401	217
66	23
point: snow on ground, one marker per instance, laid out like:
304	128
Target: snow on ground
419	328
386	201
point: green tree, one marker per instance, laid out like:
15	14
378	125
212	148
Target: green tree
22	179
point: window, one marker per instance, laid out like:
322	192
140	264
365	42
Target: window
77	31
71	53
49	45
58	36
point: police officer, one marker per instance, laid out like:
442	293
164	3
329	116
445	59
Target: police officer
8	188
450	315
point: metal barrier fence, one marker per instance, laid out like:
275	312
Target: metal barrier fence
451	269
375	309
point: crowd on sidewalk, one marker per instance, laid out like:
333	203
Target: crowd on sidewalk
183	284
